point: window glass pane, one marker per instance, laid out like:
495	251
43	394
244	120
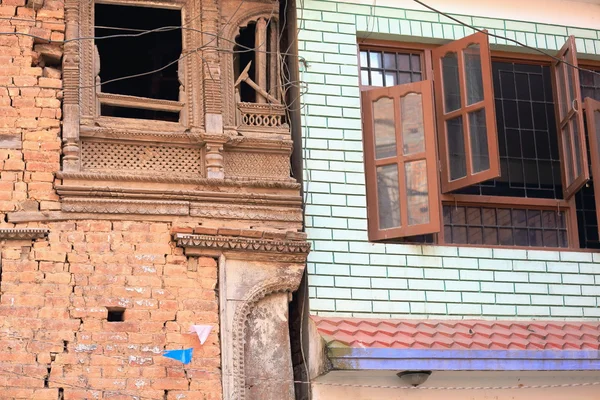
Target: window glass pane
390	79
450	82
404	77
389	60
376	78
473	74
364	78
563	100
415	63
416	192
403	62
479	143
456	148
388	196
577	147
375	59
516	226
567	146
363	59
411	114
384	128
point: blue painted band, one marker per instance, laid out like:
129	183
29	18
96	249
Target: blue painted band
455	360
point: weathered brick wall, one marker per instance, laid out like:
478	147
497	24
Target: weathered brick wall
55	340
54	333
29	105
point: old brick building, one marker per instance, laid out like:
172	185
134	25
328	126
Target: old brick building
137	204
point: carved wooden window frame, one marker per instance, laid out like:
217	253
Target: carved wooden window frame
563	205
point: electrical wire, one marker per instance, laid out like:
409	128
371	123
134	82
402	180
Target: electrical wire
558	59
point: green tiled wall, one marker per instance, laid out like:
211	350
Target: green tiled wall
349	275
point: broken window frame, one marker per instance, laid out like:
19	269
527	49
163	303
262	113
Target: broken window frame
92	97
563	205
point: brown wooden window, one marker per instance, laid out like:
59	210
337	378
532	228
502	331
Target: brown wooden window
401	160
465	112
569	116
504	124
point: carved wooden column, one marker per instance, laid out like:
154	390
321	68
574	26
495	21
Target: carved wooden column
273	59
211	67
214	159
70	132
260	54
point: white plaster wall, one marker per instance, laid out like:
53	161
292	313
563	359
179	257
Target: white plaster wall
582	14
458	379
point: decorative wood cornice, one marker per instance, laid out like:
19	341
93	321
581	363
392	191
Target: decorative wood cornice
232	211
23	234
127	177
120	206
234	243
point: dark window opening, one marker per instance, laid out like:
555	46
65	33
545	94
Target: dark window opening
385	68
244	54
504	226
527	138
585	199
116	314
124	56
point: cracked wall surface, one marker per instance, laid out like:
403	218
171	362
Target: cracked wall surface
54	333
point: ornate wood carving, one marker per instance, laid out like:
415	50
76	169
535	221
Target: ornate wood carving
141	158
246	212
232	243
257	165
71	59
262	118
110	206
23	234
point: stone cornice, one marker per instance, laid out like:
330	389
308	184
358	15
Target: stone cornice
22	234
220	244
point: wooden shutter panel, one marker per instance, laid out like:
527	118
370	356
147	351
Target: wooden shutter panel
592	116
400	161
466	118
569	119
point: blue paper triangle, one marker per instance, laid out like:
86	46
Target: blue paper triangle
185	355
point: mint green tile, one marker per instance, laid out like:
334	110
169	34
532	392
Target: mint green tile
597	46
464	19
338	17
422	16
322	47
361	23
541	41
530	39
426	30
520	26
390	12
580	45
510	35
551	29
310	15
448	31
405	27
383	25
459	31
438	30
469	31
583	33
589	46
520	36
394	26
551	42
415	28
354	9
488	23
346	28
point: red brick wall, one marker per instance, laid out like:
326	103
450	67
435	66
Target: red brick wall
55	341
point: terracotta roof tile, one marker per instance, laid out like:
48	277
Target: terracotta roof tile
463	334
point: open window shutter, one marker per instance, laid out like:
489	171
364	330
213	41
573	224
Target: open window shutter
592	116
400	161
466	118
569	117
